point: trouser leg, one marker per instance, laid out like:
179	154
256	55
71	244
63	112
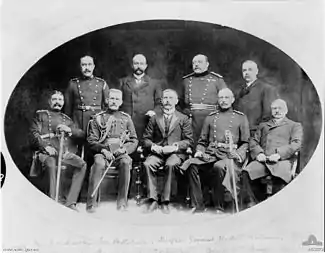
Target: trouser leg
51	171
94	177
124	165
195	186
247	191
171	164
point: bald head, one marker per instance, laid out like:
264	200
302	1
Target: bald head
200	63
139	64
279	109
225	98
250	71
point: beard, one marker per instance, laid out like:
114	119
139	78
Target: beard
138	71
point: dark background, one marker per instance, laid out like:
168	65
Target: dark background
169	47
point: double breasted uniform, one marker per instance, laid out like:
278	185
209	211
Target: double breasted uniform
214	144
177	131
255	102
104	132
199	96
140	97
43	134
84	98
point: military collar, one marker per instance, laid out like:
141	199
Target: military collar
201	74
87	78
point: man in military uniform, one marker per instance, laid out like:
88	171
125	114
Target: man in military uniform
255	96
85	96
273	145
199	93
104	139
44	129
213	152
141	94
167	137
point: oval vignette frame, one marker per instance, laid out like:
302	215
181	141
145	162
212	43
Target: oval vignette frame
169	46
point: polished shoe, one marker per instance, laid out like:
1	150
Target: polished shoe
91	209
153	206
73	207
122	208
165	209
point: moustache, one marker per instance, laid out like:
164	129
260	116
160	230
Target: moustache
57	104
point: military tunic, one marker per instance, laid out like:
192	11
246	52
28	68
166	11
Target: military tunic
43	134
199	97
104	132
85	97
214	144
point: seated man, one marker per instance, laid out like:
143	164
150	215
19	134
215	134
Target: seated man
214	152
167	136
104	138
44	129
271	147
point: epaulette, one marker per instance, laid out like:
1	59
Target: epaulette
66	116
124	113
39	111
100	79
216	74
75	80
191	74
214	112
240	113
97	114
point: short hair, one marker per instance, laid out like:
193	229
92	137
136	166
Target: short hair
87	55
206	57
227	89
141	55
115	91
54	92
281	101
252	60
170	90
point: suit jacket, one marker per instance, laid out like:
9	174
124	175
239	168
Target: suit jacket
284	139
180	132
255	102
138	99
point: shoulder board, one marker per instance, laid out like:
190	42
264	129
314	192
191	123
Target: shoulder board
238	112
191	74
75	80
212	113
216	74
97	114
66	116
40	111
100	79
125	114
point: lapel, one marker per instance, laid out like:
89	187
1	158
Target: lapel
271	123
160	123
134	86
173	123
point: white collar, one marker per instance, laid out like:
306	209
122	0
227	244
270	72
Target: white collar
250	83
138	77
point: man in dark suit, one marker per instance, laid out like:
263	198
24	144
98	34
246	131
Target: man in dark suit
141	94
271	148
255	97
167	136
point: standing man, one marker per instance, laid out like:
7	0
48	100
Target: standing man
271	148
141	94
104	139
199	93
44	129
167	137
255	97
85	96
212	157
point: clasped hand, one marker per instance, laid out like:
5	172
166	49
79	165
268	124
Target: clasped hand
272	158
108	155
164	150
51	151
63	128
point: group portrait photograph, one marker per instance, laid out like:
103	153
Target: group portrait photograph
172	117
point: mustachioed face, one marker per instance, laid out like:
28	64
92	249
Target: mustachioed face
279	109
200	64
114	100
169	100
87	66
225	98
56	102
139	64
